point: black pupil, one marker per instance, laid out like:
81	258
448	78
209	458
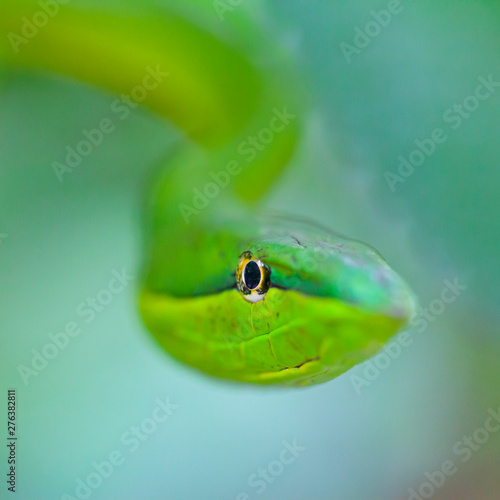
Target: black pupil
252	275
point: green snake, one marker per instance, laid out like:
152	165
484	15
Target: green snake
228	287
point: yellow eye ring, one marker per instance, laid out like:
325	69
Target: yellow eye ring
253	278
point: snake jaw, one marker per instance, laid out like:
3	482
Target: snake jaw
253	278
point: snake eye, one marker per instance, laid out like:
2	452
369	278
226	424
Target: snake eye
252	275
253	278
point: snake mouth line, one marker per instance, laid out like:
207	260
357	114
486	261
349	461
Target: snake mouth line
279	287
317	358
235	287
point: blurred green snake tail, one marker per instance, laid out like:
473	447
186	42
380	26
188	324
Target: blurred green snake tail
302	304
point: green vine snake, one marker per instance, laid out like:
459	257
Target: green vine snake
236	292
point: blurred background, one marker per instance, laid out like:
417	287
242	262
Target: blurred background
380	431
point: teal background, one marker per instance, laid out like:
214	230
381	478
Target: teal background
64	240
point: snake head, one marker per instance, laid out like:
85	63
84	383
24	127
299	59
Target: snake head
298	305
